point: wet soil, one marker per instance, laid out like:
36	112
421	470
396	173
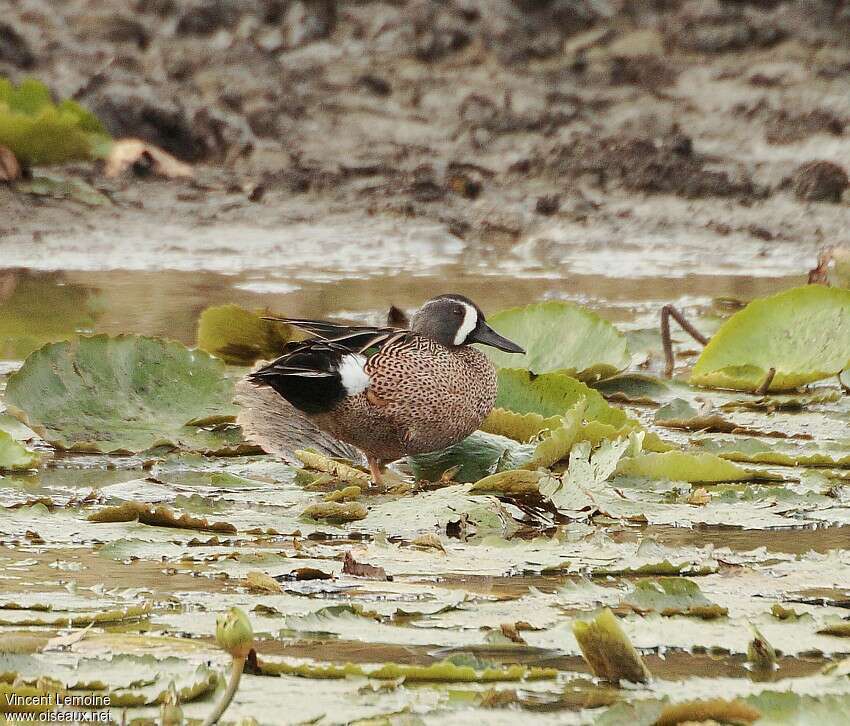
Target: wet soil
528	148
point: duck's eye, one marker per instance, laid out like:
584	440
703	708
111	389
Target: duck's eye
458	311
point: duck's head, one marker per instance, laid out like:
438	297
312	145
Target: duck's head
455	320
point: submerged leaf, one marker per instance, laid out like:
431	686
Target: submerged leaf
239	336
672	596
560	336
803	334
14	456
122	394
608	651
41	132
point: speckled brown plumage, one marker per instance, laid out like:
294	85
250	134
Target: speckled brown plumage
388	392
423	396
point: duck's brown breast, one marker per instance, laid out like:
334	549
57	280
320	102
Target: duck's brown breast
422	396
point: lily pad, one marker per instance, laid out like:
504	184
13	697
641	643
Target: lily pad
14	456
802	333
672	596
41	132
560	336
239	336
123	394
684	466
39	309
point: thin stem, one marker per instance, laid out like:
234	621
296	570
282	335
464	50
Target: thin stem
236	667
667	312
765	384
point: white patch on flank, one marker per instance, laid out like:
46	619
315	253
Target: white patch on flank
353	374
470	320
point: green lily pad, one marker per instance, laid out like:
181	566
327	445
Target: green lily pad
41	309
239	336
41	132
122	394
14	456
684	466
802	333
672	596
477	456
560	336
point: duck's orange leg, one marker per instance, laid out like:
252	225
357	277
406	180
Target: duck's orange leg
375	469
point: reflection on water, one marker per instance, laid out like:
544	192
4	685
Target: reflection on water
37	307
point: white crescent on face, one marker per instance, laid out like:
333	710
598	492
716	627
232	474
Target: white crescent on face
470	320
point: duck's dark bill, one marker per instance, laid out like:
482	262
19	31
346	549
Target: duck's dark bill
487	336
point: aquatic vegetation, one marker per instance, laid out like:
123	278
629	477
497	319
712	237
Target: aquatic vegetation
241	337
41	132
582	527
802	334
561	336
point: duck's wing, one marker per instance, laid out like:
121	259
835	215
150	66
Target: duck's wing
326	330
317	374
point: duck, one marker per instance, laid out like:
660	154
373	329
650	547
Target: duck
392	392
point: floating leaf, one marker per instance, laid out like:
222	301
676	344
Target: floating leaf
337	469
336	513
40	132
478	455
515	481
157	516
560	336
715	710
684	466
123	394
38	309
802	333
442	672
672	596
517	426
608	650
14	456
240	336
785	453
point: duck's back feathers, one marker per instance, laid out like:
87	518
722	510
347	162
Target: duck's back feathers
316	374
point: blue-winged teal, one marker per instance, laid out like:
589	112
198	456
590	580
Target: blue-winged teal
393	392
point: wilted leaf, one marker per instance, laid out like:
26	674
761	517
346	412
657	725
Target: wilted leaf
122	394
560	336
608	651
240	336
157	516
14	456
350	566
338	469
257	581
803	333
710	711
515	481
336	513
126	153
672	596
40	132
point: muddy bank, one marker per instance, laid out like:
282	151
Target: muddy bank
537	139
